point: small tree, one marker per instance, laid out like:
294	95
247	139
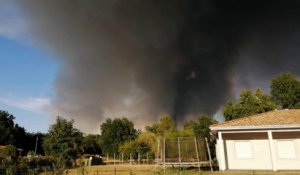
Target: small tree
115	132
165	128
149	139
200	126
63	143
285	90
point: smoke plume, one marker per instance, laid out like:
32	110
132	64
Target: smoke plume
141	59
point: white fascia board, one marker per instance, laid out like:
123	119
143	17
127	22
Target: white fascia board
262	127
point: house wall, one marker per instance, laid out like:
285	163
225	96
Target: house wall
260	159
244	152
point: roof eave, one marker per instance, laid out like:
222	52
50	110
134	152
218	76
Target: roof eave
261	127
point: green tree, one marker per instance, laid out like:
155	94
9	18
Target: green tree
91	144
115	132
21	138
7	129
144	144
13	134
129	147
149	139
165	128
285	90
200	126
248	104
63	143
29	141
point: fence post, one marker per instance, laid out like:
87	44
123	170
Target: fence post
106	157
179	152
196	146
209	156
36	144
147	158
130	159
159	151
164	159
114	158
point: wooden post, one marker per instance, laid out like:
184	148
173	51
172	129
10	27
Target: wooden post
114	158
147	158
130	159
197	153
36	144
164	159
159	152
107	158
209	156
179	153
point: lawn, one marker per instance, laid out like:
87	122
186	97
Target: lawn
158	170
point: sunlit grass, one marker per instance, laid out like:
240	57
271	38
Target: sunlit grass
158	170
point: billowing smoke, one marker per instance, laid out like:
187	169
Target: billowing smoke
140	59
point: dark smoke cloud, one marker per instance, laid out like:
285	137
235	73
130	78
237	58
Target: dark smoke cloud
141	59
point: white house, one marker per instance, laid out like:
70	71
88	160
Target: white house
267	141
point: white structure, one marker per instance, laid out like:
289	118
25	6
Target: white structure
267	141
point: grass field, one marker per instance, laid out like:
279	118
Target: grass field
158	170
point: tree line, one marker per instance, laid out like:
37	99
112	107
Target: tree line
65	143
285	94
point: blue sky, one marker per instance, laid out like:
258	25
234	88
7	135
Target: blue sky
27	82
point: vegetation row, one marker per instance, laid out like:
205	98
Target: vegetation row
62	144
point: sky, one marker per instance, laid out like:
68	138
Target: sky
93	60
27	73
27	78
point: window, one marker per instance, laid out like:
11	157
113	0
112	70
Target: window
286	149
243	149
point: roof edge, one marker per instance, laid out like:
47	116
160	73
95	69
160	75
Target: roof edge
225	128
220	124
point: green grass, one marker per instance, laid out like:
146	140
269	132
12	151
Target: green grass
158	170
